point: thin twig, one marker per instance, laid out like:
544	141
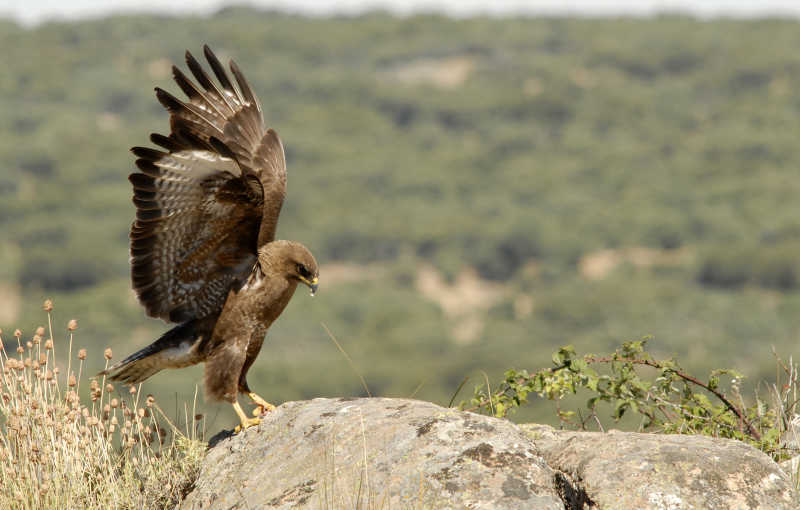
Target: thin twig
352	365
686	377
463	382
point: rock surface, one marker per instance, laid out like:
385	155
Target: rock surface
393	453
375	453
657	471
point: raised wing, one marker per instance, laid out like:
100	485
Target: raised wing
206	203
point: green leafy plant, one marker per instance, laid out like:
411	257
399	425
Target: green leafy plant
666	397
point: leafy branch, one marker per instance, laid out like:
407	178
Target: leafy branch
673	401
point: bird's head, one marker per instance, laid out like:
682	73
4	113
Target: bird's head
291	260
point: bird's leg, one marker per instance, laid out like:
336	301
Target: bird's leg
246	422
264	406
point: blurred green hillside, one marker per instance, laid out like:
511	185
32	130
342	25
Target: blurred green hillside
479	192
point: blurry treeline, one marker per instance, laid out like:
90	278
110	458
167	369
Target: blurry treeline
479	191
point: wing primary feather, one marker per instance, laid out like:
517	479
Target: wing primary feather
244	86
186	134
142	182
145	195
207	83
168	101
222	148
198	72
186	85
148	168
148	153
193	93
149	214
144	204
219	71
166	142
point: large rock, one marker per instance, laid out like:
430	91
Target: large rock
374	453
656	471
391	453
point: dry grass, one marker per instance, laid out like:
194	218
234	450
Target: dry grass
64	447
785	396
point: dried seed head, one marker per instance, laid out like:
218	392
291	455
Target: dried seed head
140	412
82	354
114	403
106	408
29	344
37	339
20	349
72	381
42	359
94	384
107	353
48	344
17	333
132	390
150	400
72	325
27	362
48	305
40	331
198	417
109	388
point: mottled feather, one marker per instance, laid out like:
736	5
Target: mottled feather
203	248
205	204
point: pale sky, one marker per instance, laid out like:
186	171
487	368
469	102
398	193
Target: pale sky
35	11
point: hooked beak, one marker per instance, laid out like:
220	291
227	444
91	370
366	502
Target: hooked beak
313	284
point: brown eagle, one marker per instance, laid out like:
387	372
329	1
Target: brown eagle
203	248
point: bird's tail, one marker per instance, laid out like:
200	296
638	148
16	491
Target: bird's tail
175	348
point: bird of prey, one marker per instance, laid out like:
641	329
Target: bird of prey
203	249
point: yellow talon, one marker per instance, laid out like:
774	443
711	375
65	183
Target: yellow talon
246	422
260	402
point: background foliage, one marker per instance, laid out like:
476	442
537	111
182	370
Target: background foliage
479	191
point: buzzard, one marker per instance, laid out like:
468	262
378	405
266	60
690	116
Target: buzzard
203	249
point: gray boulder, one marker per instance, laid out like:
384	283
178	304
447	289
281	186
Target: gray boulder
393	453
657	471
374	453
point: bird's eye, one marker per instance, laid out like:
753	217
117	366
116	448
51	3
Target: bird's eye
301	270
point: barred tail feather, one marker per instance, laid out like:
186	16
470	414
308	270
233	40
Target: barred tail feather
176	348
